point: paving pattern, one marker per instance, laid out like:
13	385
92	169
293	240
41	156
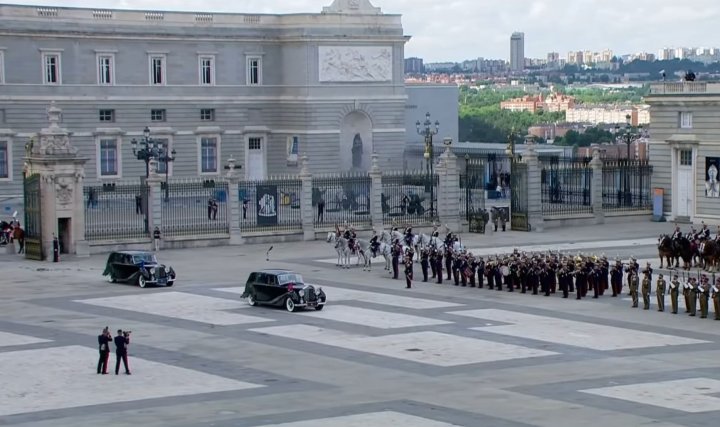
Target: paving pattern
377	355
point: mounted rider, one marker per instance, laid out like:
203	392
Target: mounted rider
704	233
677	234
349	235
409	237
436	232
374	244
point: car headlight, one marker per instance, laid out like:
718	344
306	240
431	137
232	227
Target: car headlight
167	269
152	271
301	292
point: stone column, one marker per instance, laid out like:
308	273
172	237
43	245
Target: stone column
154	202
449	190
535	216
596	192
376	213
233	199
307	214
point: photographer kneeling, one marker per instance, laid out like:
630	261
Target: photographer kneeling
122	340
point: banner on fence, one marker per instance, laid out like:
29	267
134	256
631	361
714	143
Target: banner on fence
267	204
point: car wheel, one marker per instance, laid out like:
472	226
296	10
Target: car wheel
290	305
141	281
319	307
170	283
110	278
251	300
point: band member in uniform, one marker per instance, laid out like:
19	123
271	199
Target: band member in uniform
396	253
424	263
646	290
408	267
472	269
703	293
616	274
716	298
498	276
674	293
433	262
489	273
448	261
563	276
438	266
633	285
660	292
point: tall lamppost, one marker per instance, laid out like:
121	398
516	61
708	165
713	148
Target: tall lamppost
628	135
167	159
467	187
147	149
427	131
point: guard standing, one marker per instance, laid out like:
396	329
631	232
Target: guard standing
674	293
660	292
56	249
448	261
156	238
693	296
633	285
438	265
396	252
703	296
408	268
646	290
433	263
616	278
424	256
716	298
686	295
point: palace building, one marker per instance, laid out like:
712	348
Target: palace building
263	89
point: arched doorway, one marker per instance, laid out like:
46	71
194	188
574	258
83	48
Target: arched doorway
356	142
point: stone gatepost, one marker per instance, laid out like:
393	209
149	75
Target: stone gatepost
306	207
376	213
448	200
597	180
534	189
233	198
62	172
154	203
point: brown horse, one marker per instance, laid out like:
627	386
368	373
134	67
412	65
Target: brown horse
665	250
682	248
710	255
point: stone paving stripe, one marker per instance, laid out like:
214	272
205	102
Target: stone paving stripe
431	348
690	395
371	318
570	332
65	377
375	419
7	339
180	305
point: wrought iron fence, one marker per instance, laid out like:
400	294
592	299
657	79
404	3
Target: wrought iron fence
342	199
195	207
472	189
270	205
409	198
566	186
626	185
116	211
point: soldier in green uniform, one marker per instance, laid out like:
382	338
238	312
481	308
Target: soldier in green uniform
646	290
633	284
674	293
716	298
692	295
660	292
687	287
703	293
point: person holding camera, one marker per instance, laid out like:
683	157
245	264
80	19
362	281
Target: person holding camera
122	340
104	340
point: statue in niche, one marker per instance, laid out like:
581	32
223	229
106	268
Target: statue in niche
357	152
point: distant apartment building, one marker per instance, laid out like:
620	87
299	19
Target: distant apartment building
608	114
666	54
638	150
551	131
534	103
517	51
414	66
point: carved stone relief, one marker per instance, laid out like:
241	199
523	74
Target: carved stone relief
355	63
64	190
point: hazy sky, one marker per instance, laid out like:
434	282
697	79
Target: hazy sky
453	30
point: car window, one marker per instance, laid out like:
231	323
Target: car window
145	258
272	280
252	278
290	278
260	278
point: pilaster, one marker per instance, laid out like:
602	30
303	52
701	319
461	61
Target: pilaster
596	187
154	200
376	213
306	207
234	202
535	216
449	190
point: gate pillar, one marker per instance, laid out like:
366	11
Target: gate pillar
51	157
534	189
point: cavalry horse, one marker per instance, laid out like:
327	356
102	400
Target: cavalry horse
384	250
682	248
710	255
342	247
665	251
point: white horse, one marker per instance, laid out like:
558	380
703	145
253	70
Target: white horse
384	250
342	247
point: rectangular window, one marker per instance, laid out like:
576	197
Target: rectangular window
51	68
207	114
207	70
254	71
2	67
255	144
686	120
157	115
106	69
157	70
208	155
685	157
4	160
162	166
107	115
108	157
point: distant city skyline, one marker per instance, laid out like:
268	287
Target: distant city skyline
465	29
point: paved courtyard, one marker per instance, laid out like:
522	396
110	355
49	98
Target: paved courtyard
377	355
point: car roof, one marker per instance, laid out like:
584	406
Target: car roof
132	252
275	271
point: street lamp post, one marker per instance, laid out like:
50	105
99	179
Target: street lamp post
628	135
467	187
147	149
164	157
427	131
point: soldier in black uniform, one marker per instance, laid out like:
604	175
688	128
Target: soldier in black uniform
408	267
498	276
374	244
616	274
480	271
456	269
472	268
580	282
489	273
433	262
438	265
463	269
396	253
424	263
563	280
448	261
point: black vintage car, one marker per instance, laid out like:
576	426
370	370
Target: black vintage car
282	288
138	267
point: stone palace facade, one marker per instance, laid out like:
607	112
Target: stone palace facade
263	89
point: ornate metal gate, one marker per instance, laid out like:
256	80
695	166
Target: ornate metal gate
33	221
472	195
519	197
